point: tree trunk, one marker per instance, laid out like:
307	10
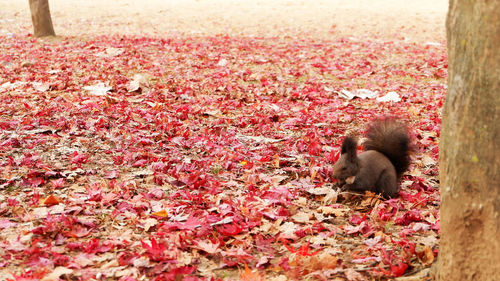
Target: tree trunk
470	144
40	15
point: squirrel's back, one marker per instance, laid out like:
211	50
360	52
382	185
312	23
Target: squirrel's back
391	138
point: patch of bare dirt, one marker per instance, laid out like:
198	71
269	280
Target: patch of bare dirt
418	21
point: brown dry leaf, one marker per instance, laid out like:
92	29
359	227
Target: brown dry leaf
319	190
248	275
206	267
139	81
207	246
276	161
148	223
313	172
428	161
186	258
278	278
353	275
57	273
301	201
331	197
112	52
302	217
323	261
276	180
40	213
111	100
338	212
126	272
52	200
413	111
405	184
141	262
426	257
110	264
83	260
383	236
266	225
370	200
430	218
429	240
26	64
308	264
415	173
288	228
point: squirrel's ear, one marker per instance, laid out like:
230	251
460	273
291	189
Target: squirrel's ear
349	146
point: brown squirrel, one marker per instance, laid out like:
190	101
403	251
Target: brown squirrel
380	166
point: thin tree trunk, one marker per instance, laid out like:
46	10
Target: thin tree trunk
470	145
40	16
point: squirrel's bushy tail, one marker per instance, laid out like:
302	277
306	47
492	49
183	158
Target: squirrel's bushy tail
391	138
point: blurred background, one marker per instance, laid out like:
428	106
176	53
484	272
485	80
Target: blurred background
415	21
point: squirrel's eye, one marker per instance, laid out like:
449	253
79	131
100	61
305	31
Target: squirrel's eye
345	168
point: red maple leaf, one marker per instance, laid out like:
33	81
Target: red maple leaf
157	251
230	229
303	250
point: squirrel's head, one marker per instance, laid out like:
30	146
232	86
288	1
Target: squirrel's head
348	163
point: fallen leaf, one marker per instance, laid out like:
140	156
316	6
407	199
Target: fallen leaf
360	93
162	213
353	275
99	89
426	256
249	275
390	96
57	273
302	217
52	200
207	246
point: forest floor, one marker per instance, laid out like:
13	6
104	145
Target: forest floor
194	140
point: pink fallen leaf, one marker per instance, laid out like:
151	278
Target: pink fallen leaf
59	183
140	163
79	158
5	223
111	174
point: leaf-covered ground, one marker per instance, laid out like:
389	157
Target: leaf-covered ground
209	158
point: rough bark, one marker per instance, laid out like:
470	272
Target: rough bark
470	144
40	16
